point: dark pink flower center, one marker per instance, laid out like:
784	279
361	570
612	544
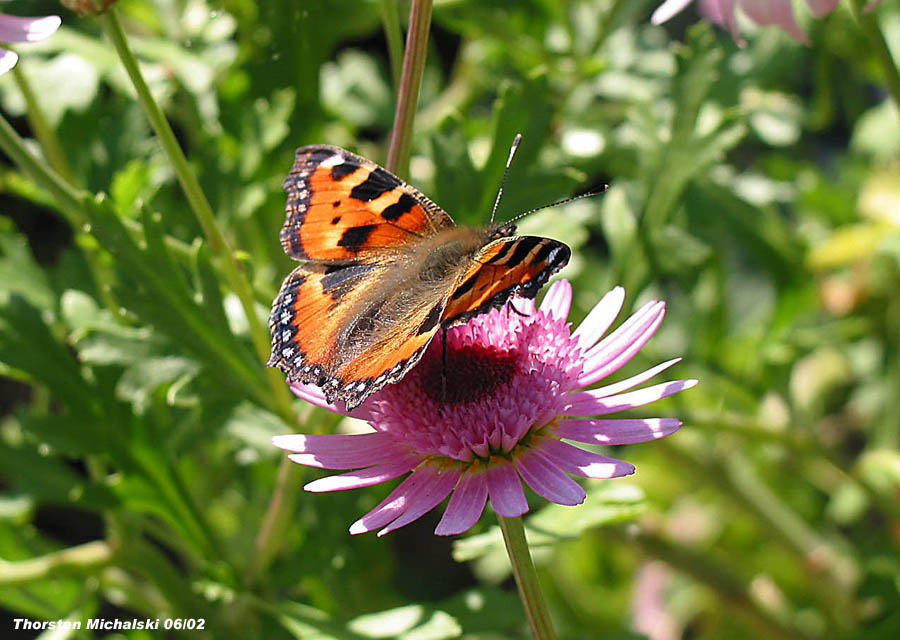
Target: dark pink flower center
471	372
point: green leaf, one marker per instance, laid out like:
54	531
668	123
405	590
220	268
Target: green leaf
209	288
456	181
522	107
132	185
255	427
145	376
156	288
412	622
66	81
679	250
308	623
19	273
356	89
714	210
689	152
28	345
50	479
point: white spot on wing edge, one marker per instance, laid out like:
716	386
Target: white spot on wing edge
332	161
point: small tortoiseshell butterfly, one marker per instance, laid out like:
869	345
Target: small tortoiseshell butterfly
384	268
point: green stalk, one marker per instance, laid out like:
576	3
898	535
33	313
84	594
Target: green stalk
394	35
869	26
201	208
45	134
526	578
410	81
276	519
80	560
71	200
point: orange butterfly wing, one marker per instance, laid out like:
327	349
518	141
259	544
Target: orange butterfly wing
342	207
507	267
325	324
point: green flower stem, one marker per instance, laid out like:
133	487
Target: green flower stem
80	560
410	81
71	200
869	25
276	519
45	134
201	208
526	578
391	20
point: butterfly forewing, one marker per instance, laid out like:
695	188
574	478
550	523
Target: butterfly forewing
342	207
507	267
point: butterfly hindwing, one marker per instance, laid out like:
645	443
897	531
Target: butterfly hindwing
517	265
347	330
342	207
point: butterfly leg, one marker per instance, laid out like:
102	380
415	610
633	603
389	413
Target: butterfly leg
443	367
514	308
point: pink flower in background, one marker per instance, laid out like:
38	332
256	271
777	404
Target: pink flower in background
514	394
15	29
762	12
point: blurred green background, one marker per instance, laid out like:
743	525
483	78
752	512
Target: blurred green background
756	190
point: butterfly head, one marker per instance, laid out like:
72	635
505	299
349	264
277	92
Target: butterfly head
504	230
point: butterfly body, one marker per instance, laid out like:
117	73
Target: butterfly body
383	269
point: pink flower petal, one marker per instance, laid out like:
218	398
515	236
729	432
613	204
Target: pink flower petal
400	499
331	443
667	10
8	60
505	489
821	8
427	499
775	12
558	300
585	403
16	29
633	381
583	463
600	318
548	480
365	477
620	346
611	432
314	395
466	504
340	451
722	13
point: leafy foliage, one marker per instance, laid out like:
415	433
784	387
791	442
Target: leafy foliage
755	189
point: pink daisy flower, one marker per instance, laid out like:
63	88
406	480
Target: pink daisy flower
779	13
16	29
515	395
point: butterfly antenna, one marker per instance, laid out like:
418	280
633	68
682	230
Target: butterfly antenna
564	201
512	152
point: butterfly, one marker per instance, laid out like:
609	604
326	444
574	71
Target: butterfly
383	269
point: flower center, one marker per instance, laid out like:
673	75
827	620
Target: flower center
471	373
